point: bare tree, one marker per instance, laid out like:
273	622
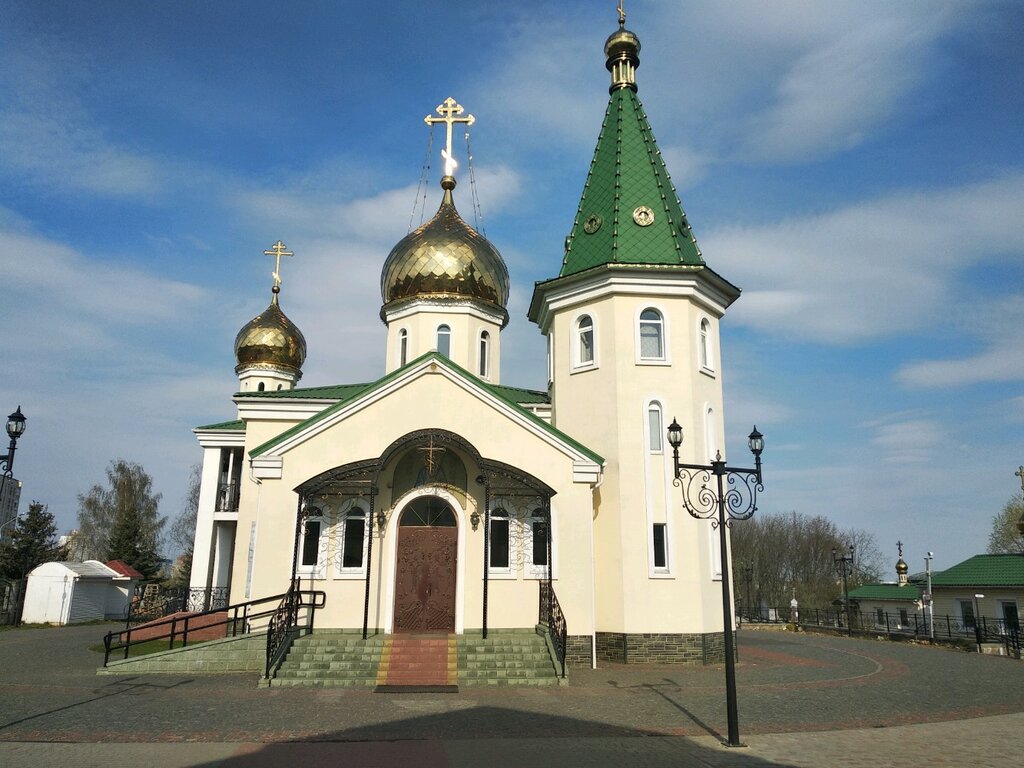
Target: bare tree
183	529
1006	536
791	554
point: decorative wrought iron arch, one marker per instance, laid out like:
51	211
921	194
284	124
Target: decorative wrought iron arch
362	478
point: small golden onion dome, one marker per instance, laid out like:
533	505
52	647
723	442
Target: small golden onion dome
270	340
445	258
901	567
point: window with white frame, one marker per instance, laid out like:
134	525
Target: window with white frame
313	543
652	335
403	347
704	345
485	342
584	341
536	543
499	551
444	340
659	542
353	536
655	430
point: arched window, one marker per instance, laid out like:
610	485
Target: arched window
655	430
444	340
498	551
585	340
705	345
485	341
262	386
652	335
403	347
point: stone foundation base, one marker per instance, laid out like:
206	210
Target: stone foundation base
658	648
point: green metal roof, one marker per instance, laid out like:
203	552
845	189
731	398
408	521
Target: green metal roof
627	172
910	592
983	571
509	395
225	426
335	392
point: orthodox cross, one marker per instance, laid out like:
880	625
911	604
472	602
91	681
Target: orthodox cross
899	546
622	15
1020	473
449	115
278	250
429	459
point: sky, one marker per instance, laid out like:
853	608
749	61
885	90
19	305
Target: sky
855	167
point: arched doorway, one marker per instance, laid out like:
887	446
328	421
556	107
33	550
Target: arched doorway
426	567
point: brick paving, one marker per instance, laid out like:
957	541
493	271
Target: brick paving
803	700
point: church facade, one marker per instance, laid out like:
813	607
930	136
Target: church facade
468	515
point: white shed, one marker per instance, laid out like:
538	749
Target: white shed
68	593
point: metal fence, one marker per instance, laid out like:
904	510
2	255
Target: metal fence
944	628
158	602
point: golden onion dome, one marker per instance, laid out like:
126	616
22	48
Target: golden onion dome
901	567
447	259
270	340
622	49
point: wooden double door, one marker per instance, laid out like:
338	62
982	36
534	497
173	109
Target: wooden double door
426	567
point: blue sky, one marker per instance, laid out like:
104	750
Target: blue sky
856	167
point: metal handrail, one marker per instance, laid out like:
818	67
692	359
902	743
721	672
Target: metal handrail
552	617
238	619
285	621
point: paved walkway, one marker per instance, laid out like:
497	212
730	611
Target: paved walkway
804	700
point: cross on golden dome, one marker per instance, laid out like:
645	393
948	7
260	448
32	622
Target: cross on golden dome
449	112
278	250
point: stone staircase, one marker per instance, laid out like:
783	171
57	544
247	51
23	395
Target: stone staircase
332	659
506	657
510	657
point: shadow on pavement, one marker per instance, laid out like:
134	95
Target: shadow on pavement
453	738
123	687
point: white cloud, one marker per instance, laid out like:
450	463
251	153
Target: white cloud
871	270
914	441
998	326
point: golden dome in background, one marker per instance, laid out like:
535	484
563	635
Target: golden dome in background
270	340
445	258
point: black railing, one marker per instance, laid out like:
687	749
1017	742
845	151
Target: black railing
552	617
236	620
175	600
915	625
227	497
763	615
284	623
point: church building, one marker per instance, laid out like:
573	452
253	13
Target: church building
497	508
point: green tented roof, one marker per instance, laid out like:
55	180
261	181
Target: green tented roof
225	426
910	593
983	571
627	173
510	395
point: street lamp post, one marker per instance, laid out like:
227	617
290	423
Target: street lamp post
844	562
721	506
931	602
977	620
15	429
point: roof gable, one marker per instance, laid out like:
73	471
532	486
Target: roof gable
503	398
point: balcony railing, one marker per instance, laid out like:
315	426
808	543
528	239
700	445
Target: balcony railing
227	497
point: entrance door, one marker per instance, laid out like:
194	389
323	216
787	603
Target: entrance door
425	578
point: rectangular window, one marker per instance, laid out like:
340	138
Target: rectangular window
1011	619
879	617
650	342
540	542
352	549
967	613
654	429
499	542
660	548
311	543
904	618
